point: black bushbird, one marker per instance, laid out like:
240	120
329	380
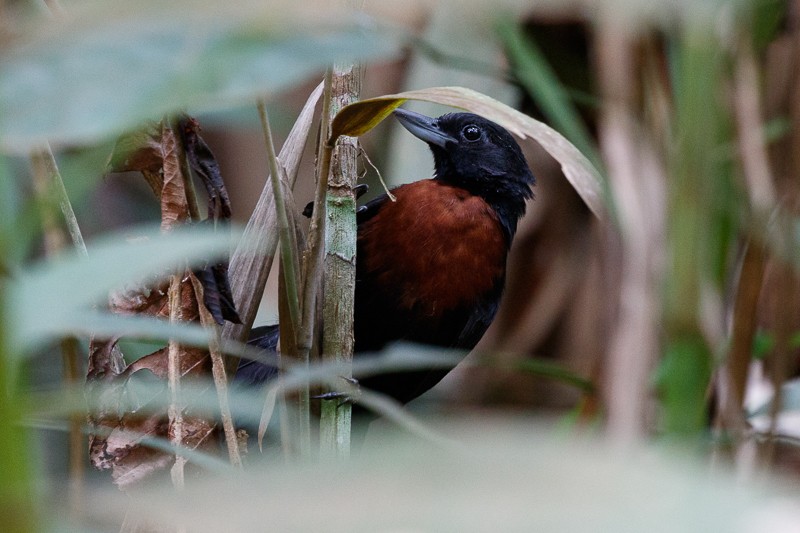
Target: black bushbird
430	266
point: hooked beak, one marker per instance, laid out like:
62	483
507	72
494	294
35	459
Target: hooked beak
423	127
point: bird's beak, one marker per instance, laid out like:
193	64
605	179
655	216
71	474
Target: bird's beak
423	127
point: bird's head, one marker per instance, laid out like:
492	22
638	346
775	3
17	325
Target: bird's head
476	154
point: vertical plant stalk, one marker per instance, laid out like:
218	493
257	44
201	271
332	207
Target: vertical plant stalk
699	234
286	233
47	179
251	261
732	381
340	264
750	130
294	406
635	189
312	267
289	288
49	162
759	182
784	302
219	375
314	255
175	410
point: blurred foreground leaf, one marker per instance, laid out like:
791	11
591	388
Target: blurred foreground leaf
110	65
506	477
53	298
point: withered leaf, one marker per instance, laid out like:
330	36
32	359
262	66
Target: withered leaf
119	444
140	151
174	205
146	299
204	164
218	297
153	150
122	425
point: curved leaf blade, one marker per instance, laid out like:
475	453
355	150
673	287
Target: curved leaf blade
360	117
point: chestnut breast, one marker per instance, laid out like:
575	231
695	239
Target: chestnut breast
438	248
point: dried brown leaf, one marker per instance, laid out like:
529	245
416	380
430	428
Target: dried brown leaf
147	299
140	151
104	359
119	446
204	164
120	443
174	206
194	362
153	150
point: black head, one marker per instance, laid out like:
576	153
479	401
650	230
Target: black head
478	155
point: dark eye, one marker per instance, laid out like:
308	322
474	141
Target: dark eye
471	132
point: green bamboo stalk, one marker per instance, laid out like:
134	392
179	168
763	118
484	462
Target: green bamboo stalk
698	242
312	266
340	261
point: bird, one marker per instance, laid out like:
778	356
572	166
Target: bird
431	259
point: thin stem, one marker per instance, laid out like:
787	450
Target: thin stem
218	373
313	261
251	261
288	253
175	410
312	268
46	158
289	272
47	179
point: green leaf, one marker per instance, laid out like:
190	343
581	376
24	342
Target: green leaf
549	369
111	65
540	81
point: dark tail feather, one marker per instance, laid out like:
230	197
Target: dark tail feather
252	373
217	294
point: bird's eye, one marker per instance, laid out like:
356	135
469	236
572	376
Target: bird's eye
471	132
